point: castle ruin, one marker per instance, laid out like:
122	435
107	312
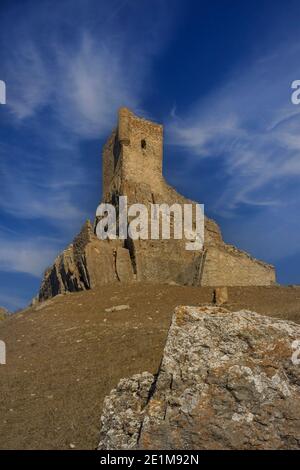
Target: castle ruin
132	166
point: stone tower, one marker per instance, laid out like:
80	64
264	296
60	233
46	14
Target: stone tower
133	152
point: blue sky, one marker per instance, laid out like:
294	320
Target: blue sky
217	73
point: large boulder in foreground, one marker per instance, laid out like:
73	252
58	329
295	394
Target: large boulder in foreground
227	381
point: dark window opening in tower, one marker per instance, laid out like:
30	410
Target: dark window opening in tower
143	143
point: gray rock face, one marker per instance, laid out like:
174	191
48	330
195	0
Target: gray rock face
227	381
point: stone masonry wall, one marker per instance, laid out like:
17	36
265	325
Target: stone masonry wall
226	266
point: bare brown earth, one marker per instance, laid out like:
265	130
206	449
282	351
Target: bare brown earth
64	356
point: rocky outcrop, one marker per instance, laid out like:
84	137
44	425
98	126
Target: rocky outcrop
227	381
85	263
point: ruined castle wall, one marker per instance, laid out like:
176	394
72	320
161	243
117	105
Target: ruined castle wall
164	261
132	166
226	266
171	196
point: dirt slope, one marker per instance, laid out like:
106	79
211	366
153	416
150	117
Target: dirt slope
64	356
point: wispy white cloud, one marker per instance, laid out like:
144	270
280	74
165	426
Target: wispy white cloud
32	188
13	302
27	256
86	77
250	124
83	86
96	80
30	85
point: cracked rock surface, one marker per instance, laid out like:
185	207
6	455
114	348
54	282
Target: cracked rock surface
226	381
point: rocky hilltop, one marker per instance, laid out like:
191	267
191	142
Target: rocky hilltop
132	167
65	355
226	381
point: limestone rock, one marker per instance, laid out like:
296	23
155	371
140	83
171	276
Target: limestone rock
123	412
117	308
227	381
